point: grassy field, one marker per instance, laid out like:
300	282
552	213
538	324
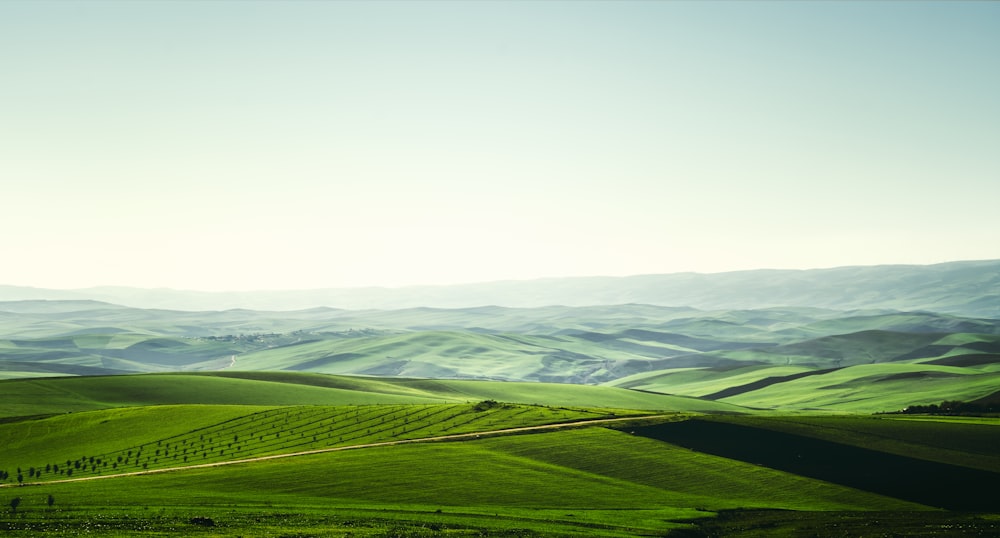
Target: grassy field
25	397
869	388
591	481
684	474
582	482
246	433
901	476
328	422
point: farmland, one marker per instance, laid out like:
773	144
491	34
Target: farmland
375	469
600	420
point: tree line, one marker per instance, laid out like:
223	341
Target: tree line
951	407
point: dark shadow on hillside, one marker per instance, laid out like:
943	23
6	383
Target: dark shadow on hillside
977	359
761	383
925	482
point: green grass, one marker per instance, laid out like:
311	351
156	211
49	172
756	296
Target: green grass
25	397
628	346
338	520
692	479
704	381
470	483
578	395
54	395
462	355
105	442
587	482
68	436
872	388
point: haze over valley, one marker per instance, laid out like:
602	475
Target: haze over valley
421	268
873	338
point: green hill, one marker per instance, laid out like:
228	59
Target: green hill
27	397
744	356
594	481
872	388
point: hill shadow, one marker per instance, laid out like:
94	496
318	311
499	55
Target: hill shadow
925	482
762	383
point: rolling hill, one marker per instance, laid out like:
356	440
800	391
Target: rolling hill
869	360
377	470
844	339
43	396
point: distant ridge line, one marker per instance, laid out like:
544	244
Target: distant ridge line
968	288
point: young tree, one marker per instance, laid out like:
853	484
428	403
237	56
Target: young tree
14	503
51	501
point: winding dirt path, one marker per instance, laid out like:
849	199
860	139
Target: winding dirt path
452	437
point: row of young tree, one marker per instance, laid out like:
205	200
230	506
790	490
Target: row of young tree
274	430
67	469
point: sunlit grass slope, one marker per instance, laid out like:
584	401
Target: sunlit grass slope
100	443
873	387
694	479
460	484
586	481
69	435
422	354
577	395
24	397
55	395
492	473
595	481
704	381
455	355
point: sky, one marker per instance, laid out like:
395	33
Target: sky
252	145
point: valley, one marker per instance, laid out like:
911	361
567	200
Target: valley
770	358
589	420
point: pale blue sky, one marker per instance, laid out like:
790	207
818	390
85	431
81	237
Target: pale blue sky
280	145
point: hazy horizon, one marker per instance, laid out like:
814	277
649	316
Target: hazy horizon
231	146
477	283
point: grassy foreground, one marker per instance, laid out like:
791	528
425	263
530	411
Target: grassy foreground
203	468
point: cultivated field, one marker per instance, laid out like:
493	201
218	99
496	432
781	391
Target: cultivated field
753	419
384	468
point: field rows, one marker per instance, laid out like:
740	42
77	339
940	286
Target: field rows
294	429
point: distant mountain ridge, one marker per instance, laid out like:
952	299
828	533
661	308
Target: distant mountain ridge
966	288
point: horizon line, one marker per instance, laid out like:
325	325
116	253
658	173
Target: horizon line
480	282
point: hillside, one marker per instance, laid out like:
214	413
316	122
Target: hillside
846	339
866	360
384	470
43	396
